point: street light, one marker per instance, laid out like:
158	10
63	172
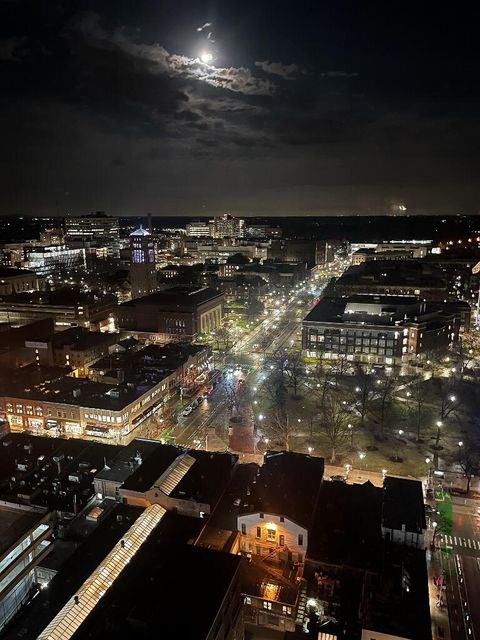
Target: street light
348	468
460	444
401	432
261	416
384	473
434	526
310	449
350	427
453	398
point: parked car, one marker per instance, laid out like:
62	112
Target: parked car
429	509
187	411
338	478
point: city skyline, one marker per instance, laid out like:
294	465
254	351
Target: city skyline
253	108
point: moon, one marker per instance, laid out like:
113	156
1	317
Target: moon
206	57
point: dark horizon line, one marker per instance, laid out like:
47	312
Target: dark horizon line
242	215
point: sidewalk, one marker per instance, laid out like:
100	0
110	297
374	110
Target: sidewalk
438	615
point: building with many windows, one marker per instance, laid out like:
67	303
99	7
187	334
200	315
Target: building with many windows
199	229
46	260
18	280
68	307
177	313
92	228
143	277
24	542
123	390
379	329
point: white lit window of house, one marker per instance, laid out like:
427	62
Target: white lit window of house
286	610
248	600
267	605
271	534
19	408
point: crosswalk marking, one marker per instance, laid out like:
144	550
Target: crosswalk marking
461	542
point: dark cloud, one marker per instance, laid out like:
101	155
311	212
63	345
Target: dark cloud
110	103
286	71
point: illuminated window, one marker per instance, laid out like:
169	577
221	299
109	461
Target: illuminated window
267	605
286	610
271	535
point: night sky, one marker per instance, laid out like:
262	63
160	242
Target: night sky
302	108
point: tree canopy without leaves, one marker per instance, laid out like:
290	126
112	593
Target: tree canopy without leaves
333	422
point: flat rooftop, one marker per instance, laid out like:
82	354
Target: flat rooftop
403	505
11	272
15	523
177	297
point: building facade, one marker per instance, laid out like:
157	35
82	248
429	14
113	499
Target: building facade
178	313
18	280
143	277
92	228
377	329
25	533
46	260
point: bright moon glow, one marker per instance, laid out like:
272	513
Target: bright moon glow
206	57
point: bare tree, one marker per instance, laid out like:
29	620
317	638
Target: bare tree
340	367
321	380
468	459
447	409
288	367
334	420
433	362
386	386
364	391
466	354
222	335
232	397
418	409
279	426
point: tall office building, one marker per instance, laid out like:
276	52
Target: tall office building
227	226
143	277
94	227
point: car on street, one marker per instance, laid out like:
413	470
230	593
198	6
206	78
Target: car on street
338	478
187	411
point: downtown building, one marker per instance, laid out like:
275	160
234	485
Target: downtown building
67	307
122	391
95	227
379	329
143	277
18	280
176	314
